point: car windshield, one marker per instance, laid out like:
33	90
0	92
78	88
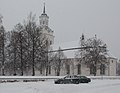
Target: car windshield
83	77
74	76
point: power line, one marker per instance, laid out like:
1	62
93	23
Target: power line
67	49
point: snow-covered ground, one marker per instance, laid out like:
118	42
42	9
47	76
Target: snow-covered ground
96	86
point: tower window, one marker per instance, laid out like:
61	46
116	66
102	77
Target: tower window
43	22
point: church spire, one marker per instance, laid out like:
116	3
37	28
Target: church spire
44	18
44	9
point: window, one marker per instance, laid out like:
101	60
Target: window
78	69
41	70
68	69
43	22
92	69
102	69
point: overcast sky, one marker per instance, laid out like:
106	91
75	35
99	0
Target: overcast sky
70	18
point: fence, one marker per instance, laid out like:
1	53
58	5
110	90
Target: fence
43	78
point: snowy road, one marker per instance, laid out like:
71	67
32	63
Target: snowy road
96	86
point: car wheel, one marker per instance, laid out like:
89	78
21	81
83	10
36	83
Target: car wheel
76	82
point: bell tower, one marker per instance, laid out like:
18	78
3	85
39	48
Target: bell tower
44	18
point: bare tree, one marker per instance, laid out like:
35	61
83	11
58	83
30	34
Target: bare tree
21	46
58	61
26	47
36	41
50	60
94	55
12	49
2	46
15	48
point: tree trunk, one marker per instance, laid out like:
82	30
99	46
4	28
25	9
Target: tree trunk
21	56
14	62
33	61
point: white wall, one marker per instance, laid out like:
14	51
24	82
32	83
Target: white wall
112	66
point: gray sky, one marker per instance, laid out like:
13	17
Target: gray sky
70	18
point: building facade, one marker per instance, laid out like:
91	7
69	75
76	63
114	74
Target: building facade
44	25
70	65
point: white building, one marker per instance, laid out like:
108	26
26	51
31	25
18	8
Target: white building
71	66
112	66
44	25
